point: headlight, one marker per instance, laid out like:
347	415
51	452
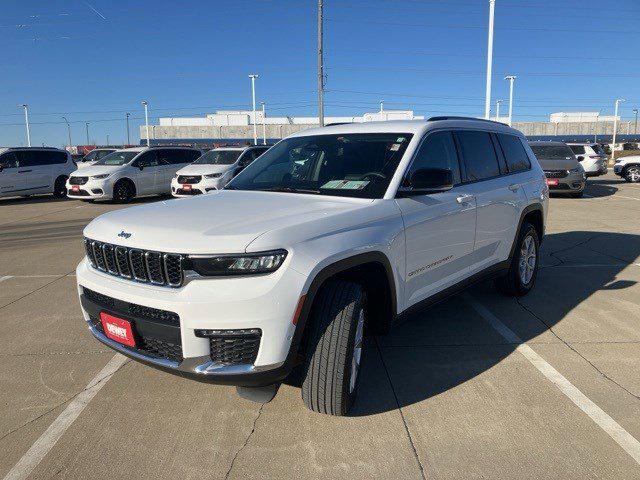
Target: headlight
100	177
248	264
214	175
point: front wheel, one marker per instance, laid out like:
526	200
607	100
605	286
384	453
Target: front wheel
60	187
523	270
334	348
123	192
632	174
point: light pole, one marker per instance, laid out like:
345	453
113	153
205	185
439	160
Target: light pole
127	121
264	125
487	101
108	140
146	119
511	79
253	77
26	122
615	127
320	67
87	127
498	102
635	128
68	130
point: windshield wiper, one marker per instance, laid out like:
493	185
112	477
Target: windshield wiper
291	190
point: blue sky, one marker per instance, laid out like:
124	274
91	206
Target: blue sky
95	61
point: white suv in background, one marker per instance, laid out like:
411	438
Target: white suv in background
93	156
628	168
332	233
213	170
128	173
591	156
34	170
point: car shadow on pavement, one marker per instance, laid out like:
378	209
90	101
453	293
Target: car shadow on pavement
32	200
600	188
444	346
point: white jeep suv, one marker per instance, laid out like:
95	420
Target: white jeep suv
128	173
628	168
332	233
213	170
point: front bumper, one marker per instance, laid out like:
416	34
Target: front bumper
266	302
205	185
92	190
572	183
617	169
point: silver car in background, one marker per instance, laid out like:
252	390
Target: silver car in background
561	167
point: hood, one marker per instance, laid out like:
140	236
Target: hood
96	170
225	221
84	165
202	169
554	164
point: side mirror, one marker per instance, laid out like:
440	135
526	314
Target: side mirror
580	158
141	166
428	180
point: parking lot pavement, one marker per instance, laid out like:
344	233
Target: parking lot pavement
447	394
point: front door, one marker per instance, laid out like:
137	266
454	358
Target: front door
35	167
11	183
440	227
149	170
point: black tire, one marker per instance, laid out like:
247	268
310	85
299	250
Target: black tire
330	342
60	187
577	194
512	283
123	191
632	174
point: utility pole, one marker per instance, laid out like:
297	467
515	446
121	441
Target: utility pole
511	79
487	101
87	127
320	67
498	102
635	128
253	77
127	120
68	130
26	122
146	120
615	127
264	125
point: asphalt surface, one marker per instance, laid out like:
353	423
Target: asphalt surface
448	394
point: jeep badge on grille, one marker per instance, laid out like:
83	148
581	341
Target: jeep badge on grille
124	234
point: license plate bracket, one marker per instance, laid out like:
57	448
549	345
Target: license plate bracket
552	181
117	329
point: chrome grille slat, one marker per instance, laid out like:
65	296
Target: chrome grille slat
145	266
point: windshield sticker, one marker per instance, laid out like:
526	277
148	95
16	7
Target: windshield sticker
346	184
395	147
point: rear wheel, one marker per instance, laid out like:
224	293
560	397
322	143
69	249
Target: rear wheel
632	174
123	191
60	187
523	270
335	335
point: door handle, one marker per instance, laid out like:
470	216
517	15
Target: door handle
24	171
514	187
464	199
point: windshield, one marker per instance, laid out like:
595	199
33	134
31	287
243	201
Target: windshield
117	158
353	165
95	155
552	152
218	157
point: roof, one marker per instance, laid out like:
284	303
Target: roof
4	149
409	126
547	143
152	147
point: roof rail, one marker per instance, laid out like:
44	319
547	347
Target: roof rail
435	119
337	123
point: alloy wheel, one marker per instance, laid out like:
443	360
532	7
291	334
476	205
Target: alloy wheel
528	259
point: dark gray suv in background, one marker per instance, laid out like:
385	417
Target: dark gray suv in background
561	167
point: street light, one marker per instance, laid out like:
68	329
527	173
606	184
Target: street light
87	127
615	127
264	125
498	102
487	101
108	140
146	120
127	120
68	130
253	77
511	79
635	128
26	122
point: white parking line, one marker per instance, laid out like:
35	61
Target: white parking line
48	439
602	419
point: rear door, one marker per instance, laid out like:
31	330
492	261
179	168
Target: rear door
146	176
35	167
439	227
497	197
11	183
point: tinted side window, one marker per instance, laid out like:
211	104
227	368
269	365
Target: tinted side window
247	157
577	149
437	151
170	157
29	158
191	156
478	154
514	152
8	160
147	159
58	158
